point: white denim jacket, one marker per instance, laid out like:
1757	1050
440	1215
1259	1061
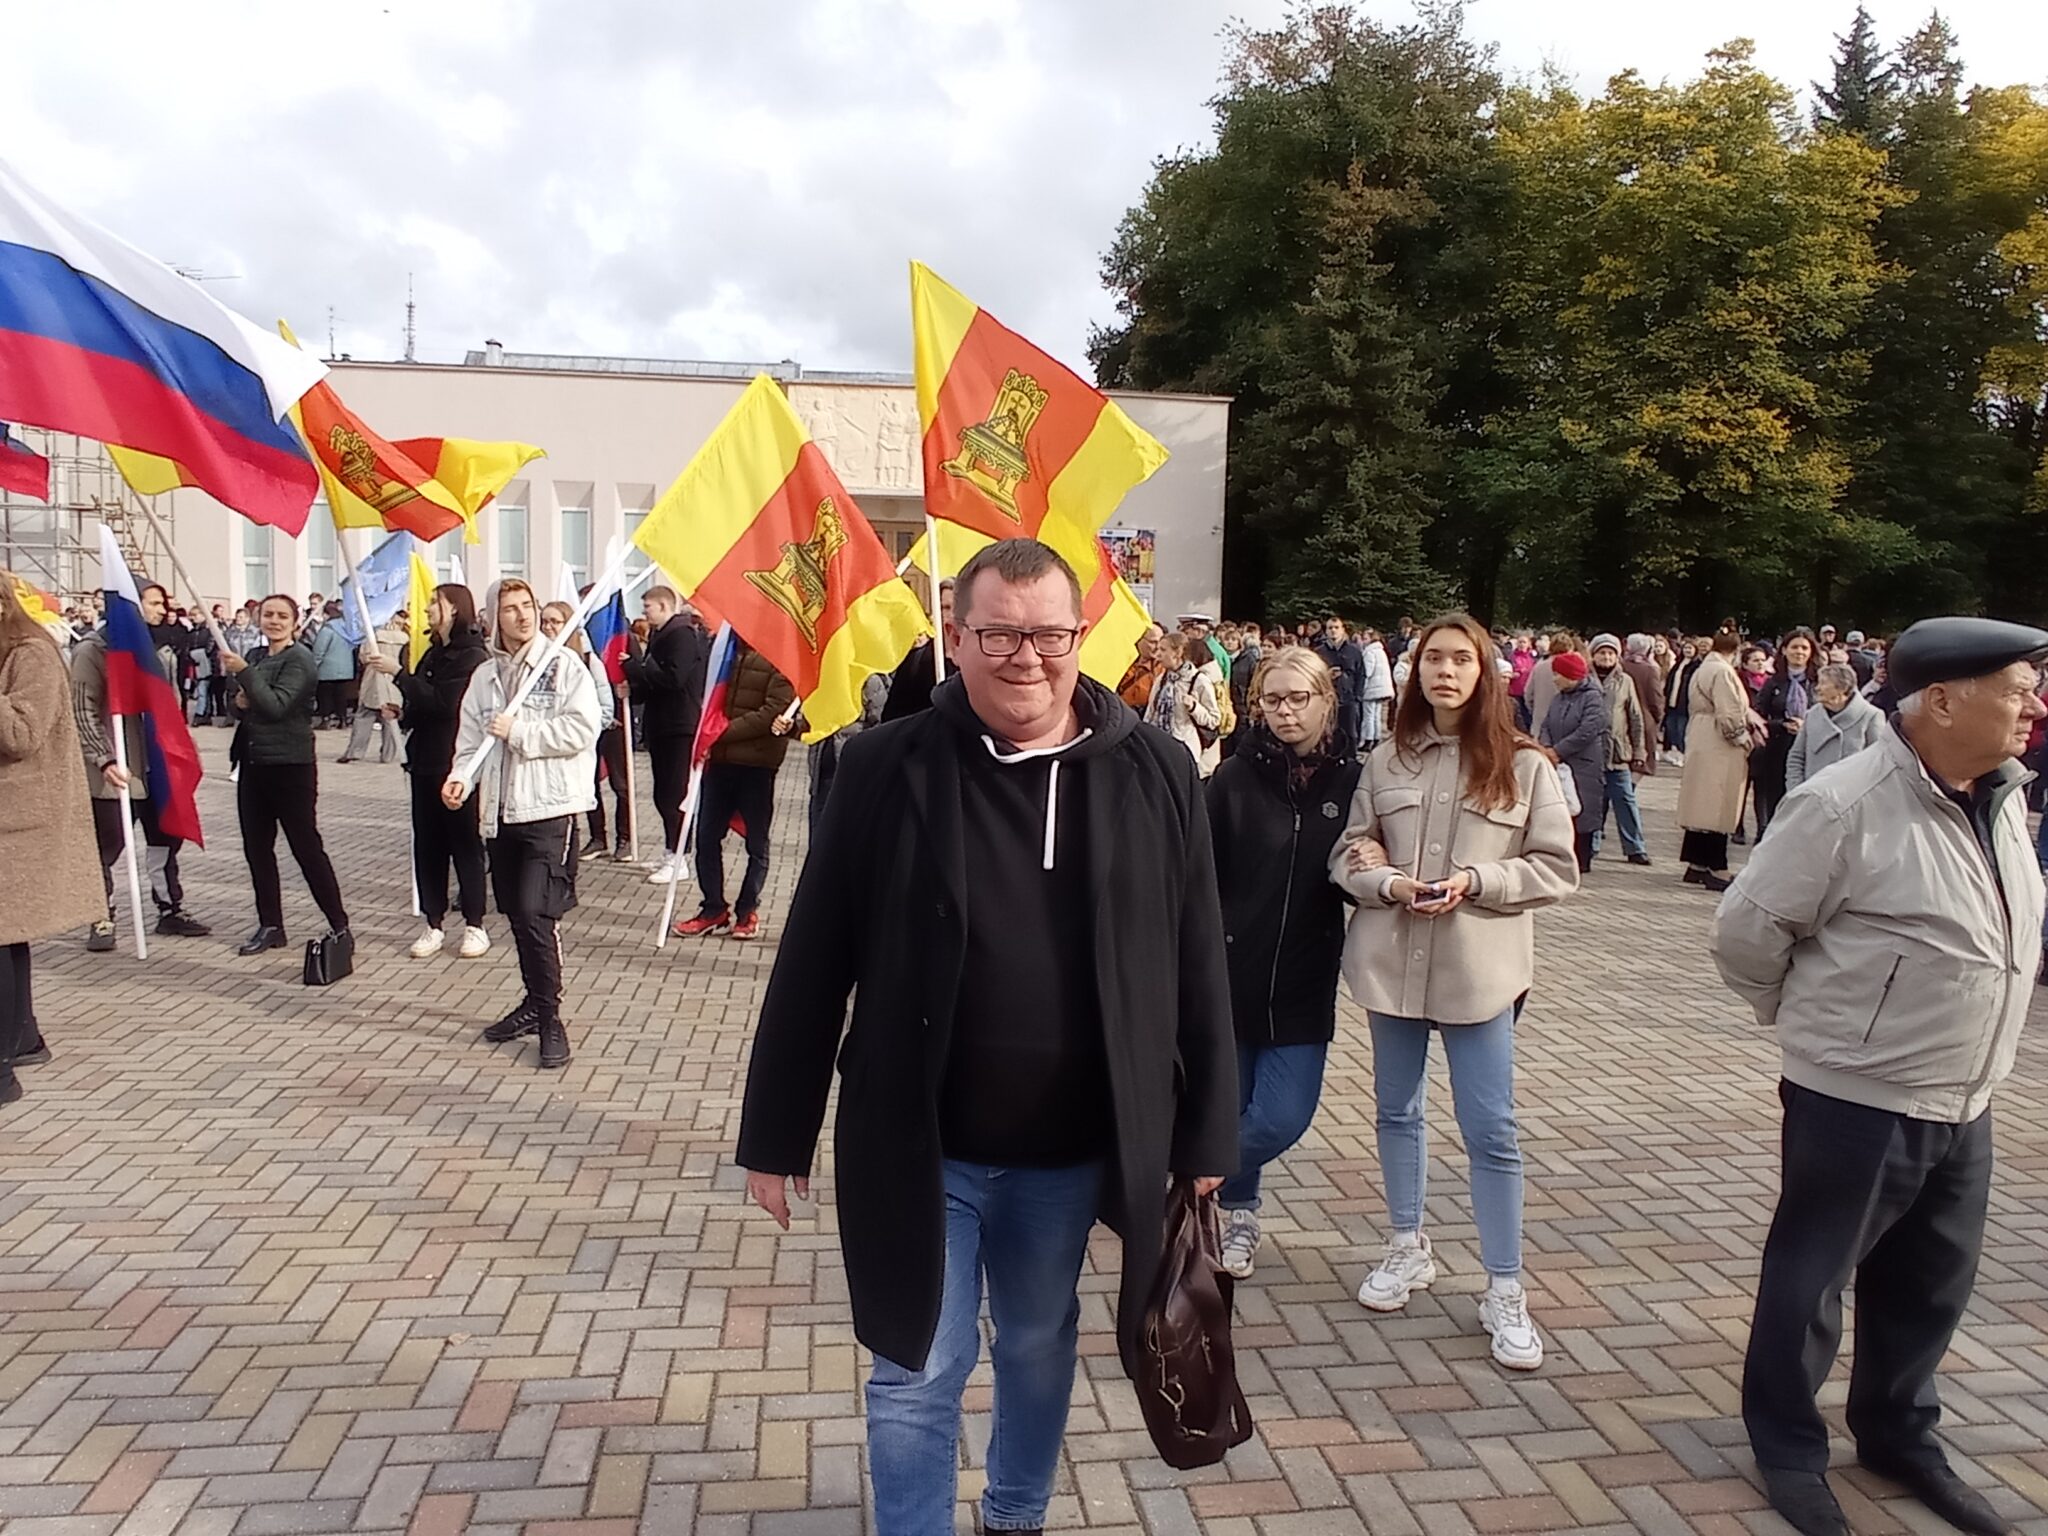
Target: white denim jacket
549	766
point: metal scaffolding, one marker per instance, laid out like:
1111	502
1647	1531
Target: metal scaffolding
55	544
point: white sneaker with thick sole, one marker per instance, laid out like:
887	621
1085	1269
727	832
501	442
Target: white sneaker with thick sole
1240	1243
428	944
475	942
1410	1266
1504	1313
664	873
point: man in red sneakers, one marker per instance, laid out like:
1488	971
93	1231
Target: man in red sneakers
739	784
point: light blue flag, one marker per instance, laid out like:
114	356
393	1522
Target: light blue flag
386	574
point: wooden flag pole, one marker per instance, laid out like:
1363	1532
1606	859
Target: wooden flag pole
128	838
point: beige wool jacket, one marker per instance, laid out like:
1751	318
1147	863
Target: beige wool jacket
1469	965
46	837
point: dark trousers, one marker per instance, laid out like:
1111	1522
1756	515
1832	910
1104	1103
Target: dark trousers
824	768
670	756
287	795
1900	1204
533	872
330	700
17	1005
611	760
1582	845
1705	850
441	837
733	789
164	885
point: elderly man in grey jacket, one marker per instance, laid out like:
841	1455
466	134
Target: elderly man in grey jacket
1889	930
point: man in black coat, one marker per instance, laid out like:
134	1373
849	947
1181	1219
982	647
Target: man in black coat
1347	666
1017	887
668	678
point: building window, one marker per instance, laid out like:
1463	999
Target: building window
320	556
512	541
576	543
257	583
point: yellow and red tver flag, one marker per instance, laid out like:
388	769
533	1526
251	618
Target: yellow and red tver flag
424	486
1111	610
758	529
1015	444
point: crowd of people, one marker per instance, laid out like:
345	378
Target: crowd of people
1092	939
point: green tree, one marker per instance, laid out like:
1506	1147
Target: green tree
1862	98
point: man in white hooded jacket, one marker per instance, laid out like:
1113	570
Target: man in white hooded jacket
537	783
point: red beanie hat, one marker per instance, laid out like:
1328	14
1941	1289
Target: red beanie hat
1569	664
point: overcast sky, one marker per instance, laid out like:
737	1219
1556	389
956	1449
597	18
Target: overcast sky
674	178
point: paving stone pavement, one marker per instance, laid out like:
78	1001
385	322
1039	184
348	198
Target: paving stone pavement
279	1260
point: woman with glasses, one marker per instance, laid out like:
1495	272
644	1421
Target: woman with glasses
1469	819
1184	703
1276	808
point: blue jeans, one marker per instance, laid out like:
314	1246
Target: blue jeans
1026	1229
1277	1088
1482	1058
1620	790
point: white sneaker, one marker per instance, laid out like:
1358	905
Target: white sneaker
428	943
1504	1313
1410	1265
664	873
475	942
1240	1243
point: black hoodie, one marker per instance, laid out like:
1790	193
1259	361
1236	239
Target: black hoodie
1026	1081
432	692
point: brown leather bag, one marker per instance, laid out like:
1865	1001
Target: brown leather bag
1187	1387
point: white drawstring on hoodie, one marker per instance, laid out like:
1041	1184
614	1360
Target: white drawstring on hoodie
1052	782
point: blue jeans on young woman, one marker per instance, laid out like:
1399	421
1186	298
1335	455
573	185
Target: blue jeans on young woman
1277	1089
1026	1230
1482	1058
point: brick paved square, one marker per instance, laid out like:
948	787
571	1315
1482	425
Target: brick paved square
274	1259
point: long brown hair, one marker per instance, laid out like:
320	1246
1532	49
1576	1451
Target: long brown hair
1486	728
16	627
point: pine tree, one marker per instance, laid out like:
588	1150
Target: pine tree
1863	98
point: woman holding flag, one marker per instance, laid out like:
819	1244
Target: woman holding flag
431	704
46	835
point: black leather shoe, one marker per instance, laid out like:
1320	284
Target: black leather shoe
35	1055
1806	1501
10	1086
554	1044
1642	860
1710	881
523	1020
1936	1485
177	925
262	939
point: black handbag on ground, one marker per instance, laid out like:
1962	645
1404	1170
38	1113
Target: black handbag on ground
329	958
1187	1389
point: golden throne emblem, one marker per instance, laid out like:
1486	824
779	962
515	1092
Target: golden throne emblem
359	472
992	455
797	584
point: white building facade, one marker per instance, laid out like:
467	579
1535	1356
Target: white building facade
617	432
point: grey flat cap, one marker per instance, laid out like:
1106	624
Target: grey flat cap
1951	649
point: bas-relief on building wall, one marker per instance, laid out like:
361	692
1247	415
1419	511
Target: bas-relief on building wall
868	435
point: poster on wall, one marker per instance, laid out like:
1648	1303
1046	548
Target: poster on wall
1135	552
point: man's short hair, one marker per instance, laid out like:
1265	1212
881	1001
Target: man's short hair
666	594
1016	563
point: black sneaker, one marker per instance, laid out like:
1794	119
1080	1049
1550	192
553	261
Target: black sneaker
554	1043
99	938
10	1086
177	925
523	1020
35	1055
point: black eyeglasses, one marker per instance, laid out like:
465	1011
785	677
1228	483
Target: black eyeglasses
999	642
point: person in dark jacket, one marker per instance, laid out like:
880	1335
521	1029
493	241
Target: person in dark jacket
1016	886
739	783
1783	702
1576	728
280	784
911	684
1347	665
1276	808
667	680
432	707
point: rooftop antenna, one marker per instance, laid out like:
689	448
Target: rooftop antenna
410	311
330	330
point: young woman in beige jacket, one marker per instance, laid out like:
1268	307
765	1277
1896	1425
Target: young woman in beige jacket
1475	837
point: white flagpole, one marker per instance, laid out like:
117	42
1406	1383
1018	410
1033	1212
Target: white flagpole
355	582
128	838
668	900
467	772
931	544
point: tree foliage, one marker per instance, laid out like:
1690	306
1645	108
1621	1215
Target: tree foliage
1658	354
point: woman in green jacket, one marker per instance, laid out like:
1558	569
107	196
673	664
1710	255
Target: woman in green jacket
279	784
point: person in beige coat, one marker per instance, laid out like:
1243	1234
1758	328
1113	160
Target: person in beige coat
46	832
1458	833
377	701
1716	775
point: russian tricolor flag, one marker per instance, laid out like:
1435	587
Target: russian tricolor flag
137	686
725	651
22	470
99	339
607	630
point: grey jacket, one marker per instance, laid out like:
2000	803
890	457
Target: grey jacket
95	725
1870	930
1825	739
549	766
